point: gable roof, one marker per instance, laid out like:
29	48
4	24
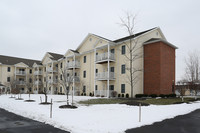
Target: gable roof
89	36
132	36
154	40
101	37
55	56
8	60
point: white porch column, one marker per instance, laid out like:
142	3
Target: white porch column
15	72
95	71
108	79
52	80
74	75
37	80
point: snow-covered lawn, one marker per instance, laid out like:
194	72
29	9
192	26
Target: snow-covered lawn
110	118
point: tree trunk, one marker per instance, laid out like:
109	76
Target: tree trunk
45	98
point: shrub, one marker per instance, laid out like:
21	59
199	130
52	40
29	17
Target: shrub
141	95
102	96
122	95
81	94
119	95
97	95
84	94
162	95
172	95
114	93
153	95
90	94
127	95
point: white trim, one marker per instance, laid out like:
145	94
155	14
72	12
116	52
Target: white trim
161	40
89	34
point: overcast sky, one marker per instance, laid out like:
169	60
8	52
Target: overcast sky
29	28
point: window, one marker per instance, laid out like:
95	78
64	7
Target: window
123	49
112	69
60	89
112	87
123	69
84	89
112	51
96	87
30	80
75	74
56	65
96	53
60	65
96	70
67	74
84	59
8	79
8	69
30	71
44	79
122	88
49	88
61	77
84	74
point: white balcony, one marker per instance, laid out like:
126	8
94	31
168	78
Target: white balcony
73	64
76	79
38	83
21	82
104	57
55	81
104	76
38	73
52	70
23	73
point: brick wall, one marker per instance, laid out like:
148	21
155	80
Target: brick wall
159	68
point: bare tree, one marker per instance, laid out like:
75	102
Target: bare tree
181	88
66	81
46	86
192	71
133	50
29	84
12	85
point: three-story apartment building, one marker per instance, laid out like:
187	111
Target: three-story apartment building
100	67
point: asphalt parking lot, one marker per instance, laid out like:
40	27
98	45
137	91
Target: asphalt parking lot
12	123
189	123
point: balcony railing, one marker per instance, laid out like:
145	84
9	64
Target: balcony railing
55	81
21	82
105	57
20	73
52	70
73	64
76	79
38	82
104	76
38	73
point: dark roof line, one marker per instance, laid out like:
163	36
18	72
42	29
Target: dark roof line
56	56
9	60
74	51
132	36
154	40
101	37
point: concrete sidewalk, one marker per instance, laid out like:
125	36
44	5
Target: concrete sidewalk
189	123
12	123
